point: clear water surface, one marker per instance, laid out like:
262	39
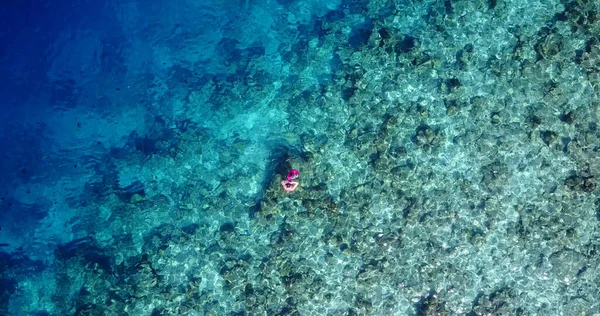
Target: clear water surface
448	157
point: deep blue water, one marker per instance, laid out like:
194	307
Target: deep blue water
447	153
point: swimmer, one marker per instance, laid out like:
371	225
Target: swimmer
289	185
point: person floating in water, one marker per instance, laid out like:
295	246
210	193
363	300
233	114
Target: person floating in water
289	185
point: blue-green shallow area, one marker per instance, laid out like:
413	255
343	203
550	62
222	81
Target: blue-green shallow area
448	154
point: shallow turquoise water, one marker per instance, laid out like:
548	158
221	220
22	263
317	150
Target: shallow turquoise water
447	155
